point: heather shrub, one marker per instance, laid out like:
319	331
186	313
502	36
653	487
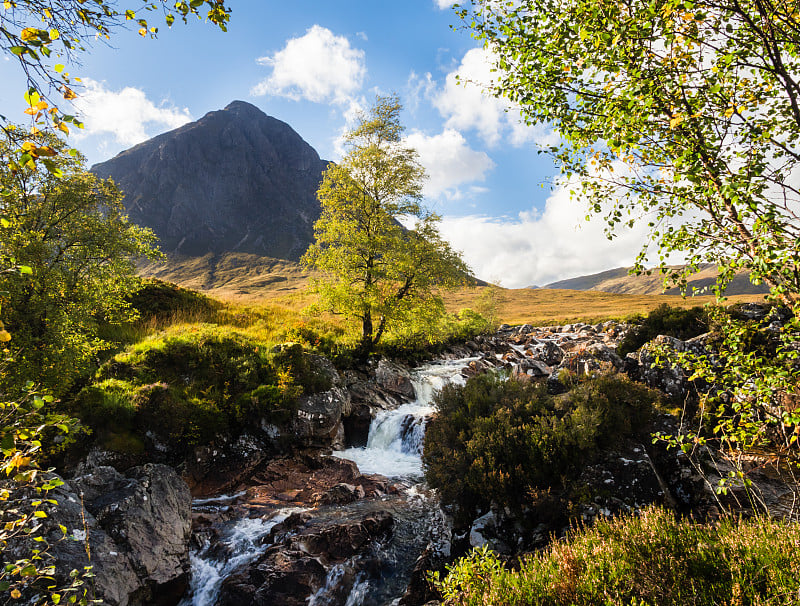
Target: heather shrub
650	560
504	441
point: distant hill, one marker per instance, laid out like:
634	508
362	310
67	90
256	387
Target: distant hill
231	275
234	181
619	281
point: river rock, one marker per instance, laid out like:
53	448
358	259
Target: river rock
319	417
136	527
147	513
309	556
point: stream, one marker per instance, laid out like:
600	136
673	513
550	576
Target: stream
394	449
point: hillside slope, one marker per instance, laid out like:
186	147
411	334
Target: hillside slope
619	281
236	181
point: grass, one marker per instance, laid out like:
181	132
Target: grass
650	560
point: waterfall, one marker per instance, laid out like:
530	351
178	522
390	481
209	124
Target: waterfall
239	544
394	445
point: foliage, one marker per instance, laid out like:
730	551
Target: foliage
664	320
157	299
503	441
651	560
190	384
45	37
74	236
374	269
751	405
24	420
680	114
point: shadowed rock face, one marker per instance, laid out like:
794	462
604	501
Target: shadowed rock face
236	180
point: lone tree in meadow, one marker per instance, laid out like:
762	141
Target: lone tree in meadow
374	269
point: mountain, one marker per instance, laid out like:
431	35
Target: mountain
619	281
235	181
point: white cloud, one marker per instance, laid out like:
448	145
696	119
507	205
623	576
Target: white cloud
540	248
443	4
127	114
449	161
318	66
466	104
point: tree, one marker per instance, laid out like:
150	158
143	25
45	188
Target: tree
46	36
682	113
73	237
373	268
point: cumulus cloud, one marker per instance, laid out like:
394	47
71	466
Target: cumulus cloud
449	161
541	247
443	4
466	105
318	66
127	114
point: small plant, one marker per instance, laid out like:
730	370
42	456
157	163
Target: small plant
652	560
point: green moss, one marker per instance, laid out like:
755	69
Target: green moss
187	385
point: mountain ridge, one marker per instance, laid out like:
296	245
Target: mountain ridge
236	180
619	281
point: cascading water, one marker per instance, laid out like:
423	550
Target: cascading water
394	445
239	544
394	449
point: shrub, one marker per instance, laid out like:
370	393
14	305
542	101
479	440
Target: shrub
650	560
665	320
503	441
190	384
158	299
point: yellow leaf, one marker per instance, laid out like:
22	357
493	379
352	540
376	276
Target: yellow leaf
143	32
729	112
16	594
28	146
7	5
676	121
69	94
29	33
4	336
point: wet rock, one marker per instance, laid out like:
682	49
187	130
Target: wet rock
319	417
420	590
395	379
218	468
356	426
549	353
280	577
309	554
341	494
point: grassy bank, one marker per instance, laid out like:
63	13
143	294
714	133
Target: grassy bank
651	560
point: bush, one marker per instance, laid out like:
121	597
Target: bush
188	385
503	441
651	560
664	320
158	300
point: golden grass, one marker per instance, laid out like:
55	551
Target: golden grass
545	306
247	281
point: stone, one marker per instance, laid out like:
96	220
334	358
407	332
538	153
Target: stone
395	379
319	416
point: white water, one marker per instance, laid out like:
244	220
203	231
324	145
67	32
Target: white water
394	445
241	543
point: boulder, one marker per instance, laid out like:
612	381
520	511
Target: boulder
319	417
395	379
136	527
147	513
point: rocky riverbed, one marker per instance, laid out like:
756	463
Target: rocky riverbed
344	516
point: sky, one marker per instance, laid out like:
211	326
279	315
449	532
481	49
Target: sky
314	65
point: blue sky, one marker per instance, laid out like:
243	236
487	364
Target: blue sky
313	64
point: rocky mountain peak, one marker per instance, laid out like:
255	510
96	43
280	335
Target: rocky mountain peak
236	180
